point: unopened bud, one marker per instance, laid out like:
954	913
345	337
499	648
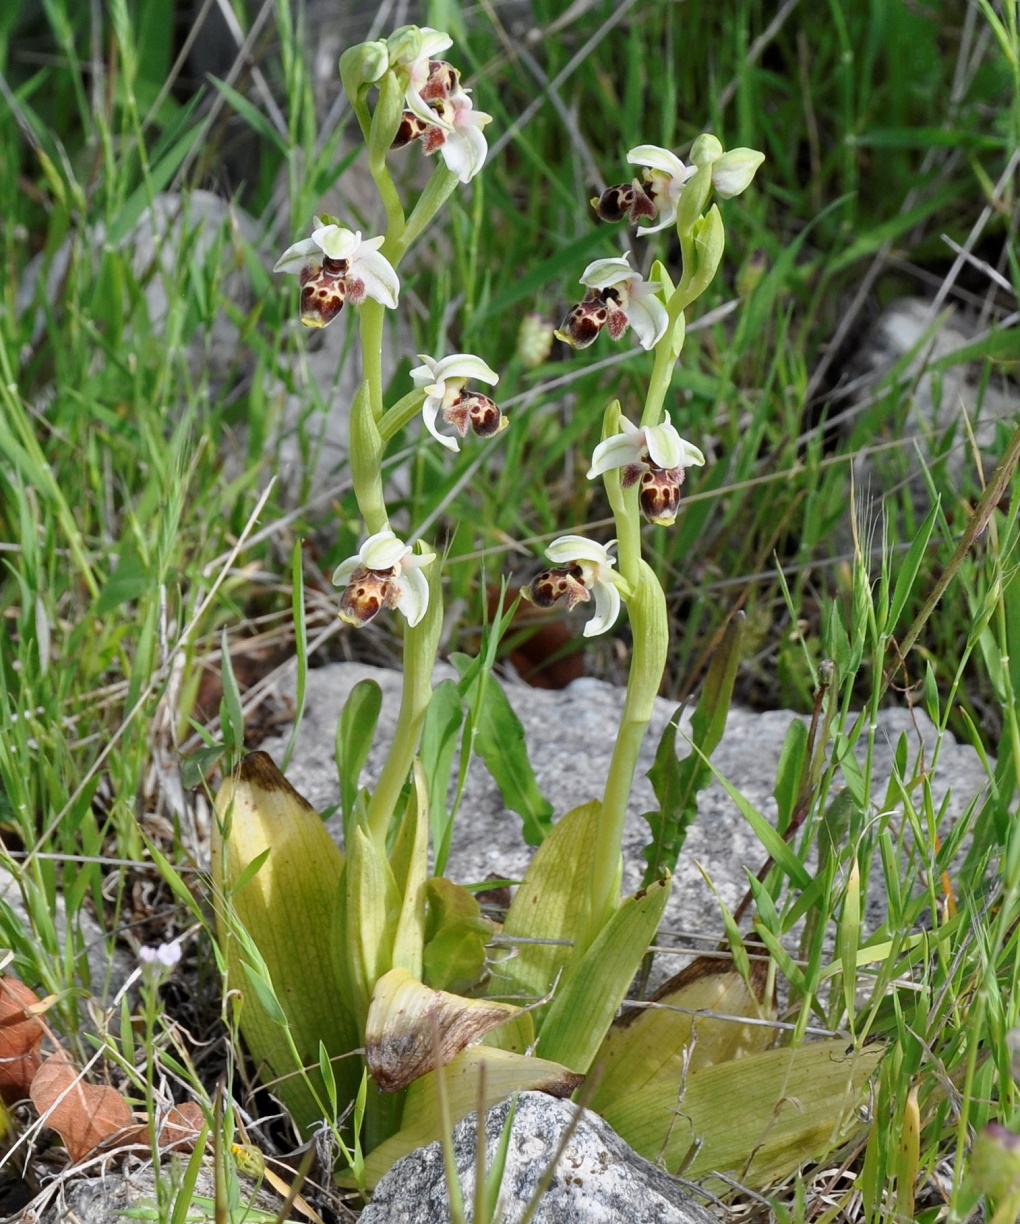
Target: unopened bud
706	149
362	66
733	172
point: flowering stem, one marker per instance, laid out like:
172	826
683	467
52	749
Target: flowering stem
366	454
371	334
420	646
437	191
647	609
662	374
623	503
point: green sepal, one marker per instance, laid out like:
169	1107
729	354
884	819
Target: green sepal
596	983
389	110
693	199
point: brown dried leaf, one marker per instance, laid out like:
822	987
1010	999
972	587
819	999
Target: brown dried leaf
83	1115
406	1019
21	1033
181	1127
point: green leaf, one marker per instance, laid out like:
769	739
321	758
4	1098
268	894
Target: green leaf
551	904
443	720
595	984
297	600
759	1118
790	772
196	767
266	995
772	840
129	581
505	1073
456	935
231	713
355	731
254	118
676	783
910	564
499	741
328	1078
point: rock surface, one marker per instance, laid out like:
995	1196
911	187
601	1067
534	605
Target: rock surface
938	402
107	1198
598	1179
570	735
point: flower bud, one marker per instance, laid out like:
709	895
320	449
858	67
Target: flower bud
362	66
404	44
733	172
706	150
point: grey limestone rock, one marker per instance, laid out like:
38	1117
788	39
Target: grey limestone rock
120	1193
936	401
570	735
597	1180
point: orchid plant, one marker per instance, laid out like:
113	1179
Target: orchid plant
395	965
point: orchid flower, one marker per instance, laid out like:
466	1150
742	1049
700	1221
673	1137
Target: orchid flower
443	383
657	196
386	573
617	297
457	134
665	175
337	265
583	570
655	456
414	51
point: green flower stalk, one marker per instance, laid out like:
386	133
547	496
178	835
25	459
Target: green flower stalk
643	466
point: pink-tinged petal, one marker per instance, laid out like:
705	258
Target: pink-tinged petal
297	256
607	609
429	414
464	152
649	320
413	597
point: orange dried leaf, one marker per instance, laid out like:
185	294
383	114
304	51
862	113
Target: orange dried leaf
181	1127
21	1033
83	1115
